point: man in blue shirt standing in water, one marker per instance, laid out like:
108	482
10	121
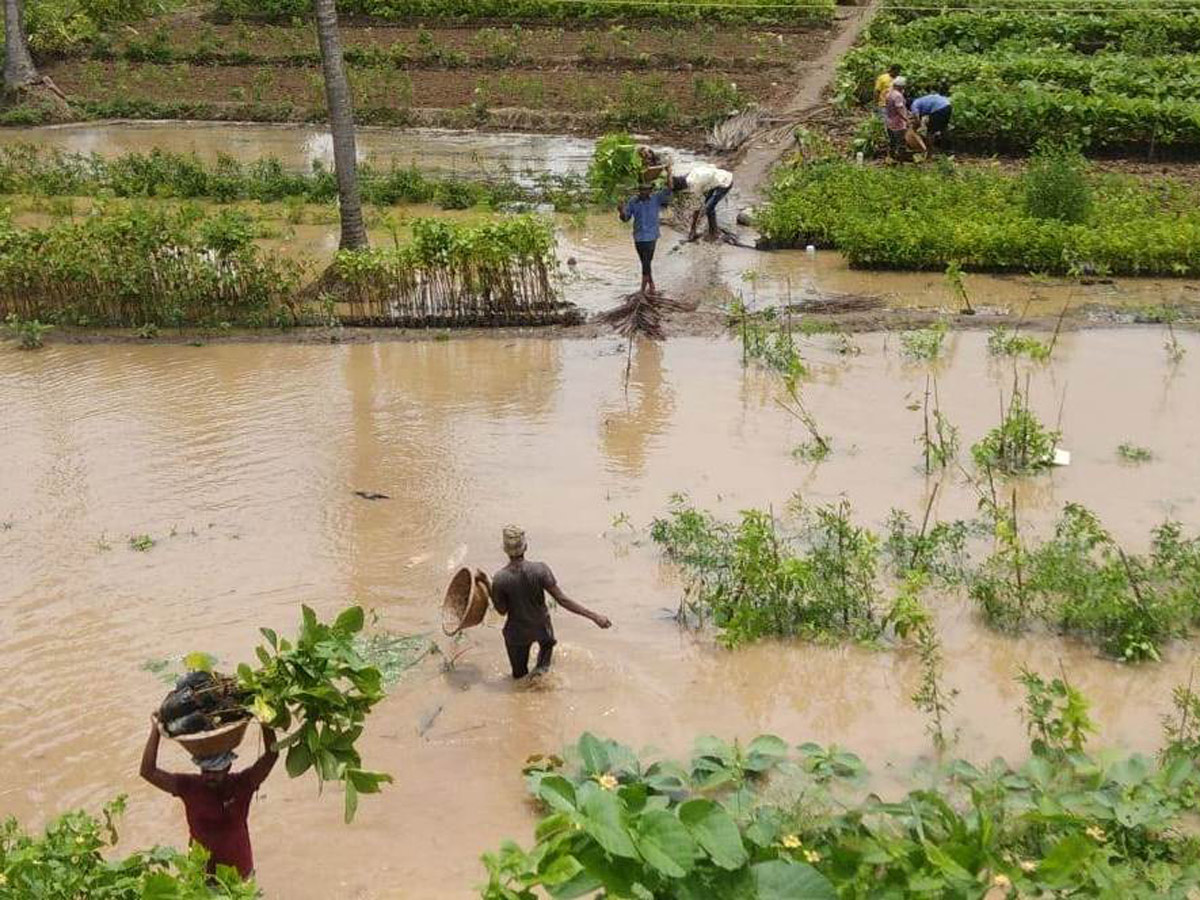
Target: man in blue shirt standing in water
643	210
935	110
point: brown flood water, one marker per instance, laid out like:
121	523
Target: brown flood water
298	147
249	454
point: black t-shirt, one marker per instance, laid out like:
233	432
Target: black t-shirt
520	588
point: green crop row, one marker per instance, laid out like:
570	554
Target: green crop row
1139	32
916	9
926	218
1100	73
29	169
776	12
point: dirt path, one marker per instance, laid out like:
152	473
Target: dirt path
761	152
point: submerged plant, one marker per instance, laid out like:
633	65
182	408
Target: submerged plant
1132	453
924	343
1081	581
30	334
1009	342
1020	443
753	580
1056	715
939	438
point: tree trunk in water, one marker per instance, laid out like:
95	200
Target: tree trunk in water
19	70
341	123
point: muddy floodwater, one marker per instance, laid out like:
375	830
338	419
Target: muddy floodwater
240	461
300	146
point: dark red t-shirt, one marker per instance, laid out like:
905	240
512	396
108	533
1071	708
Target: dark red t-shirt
216	816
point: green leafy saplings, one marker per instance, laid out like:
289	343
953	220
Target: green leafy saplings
73	858
753	580
1020	443
1056	185
29	335
321	686
1082	582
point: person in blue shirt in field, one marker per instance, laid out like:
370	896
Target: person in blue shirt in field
643	210
934	110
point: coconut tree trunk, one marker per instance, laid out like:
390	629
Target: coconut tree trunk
341	123
19	70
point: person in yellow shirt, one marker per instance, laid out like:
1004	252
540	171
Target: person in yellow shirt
883	84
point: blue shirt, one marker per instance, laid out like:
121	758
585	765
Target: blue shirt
645	214
929	104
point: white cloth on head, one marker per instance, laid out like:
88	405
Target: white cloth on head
703	178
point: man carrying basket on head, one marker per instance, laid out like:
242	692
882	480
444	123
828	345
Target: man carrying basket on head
217	801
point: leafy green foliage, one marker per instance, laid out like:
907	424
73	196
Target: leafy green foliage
73	857
137	265
500	272
57	26
789	11
1010	342
1056	715
1020	443
928	217
1063	824
1056	185
753	580
616	168
1082	582
29	334
1132	453
28	168
938	552
323	686
924	343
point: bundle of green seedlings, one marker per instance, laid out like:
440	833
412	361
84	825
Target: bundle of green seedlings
320	685
1082	582
75	857
30	169
140	266
771	822
500	273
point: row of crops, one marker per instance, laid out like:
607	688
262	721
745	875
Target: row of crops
764	12
1117	78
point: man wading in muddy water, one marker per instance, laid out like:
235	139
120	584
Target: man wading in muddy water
217	801
519	593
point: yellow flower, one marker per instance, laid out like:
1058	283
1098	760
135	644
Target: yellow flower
1028	865
1001	881
791	842
608	782
1096	833
812	856
3	878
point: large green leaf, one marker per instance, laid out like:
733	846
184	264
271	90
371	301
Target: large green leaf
783	880
558	793
298	760
594	754
601	819
765	752
665	844
351	620
715	831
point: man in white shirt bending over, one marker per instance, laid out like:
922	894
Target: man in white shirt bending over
712	184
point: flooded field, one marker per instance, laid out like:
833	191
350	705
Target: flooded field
298	147
240	461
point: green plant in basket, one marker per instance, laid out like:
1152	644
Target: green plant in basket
320	685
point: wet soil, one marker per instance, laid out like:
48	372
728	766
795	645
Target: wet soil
241	461
635	46
388	93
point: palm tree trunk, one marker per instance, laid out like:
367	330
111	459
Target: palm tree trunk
341	123
19	70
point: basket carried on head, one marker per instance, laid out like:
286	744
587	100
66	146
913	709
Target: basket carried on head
211	743
466	601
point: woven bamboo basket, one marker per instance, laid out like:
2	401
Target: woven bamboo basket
211	743
466	601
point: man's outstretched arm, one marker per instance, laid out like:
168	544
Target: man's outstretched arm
578	608
164	781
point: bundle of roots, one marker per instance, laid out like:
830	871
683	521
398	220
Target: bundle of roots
644	314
